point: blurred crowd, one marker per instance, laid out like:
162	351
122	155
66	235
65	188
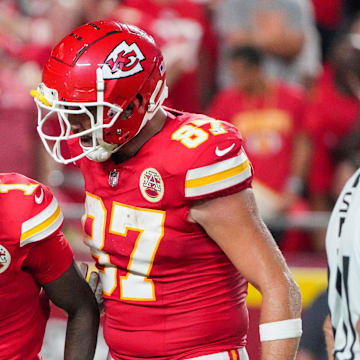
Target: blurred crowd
285	72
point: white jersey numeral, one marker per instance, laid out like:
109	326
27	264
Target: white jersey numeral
96	210
135	285
28	189
192	135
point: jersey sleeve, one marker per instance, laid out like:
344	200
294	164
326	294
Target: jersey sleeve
49	259
44	216
29	212
221	168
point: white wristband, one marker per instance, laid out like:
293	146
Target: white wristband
278	330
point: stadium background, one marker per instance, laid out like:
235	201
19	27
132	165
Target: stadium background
29	28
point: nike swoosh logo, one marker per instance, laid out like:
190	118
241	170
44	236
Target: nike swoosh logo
39	199
223	152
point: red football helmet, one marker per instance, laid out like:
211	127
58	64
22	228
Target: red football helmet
103	64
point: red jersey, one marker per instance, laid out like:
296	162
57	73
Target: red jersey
169	290
32	252
329	13
269	125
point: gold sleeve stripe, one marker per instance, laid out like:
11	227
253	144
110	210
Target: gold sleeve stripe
216	167
43	230
41	217
217	177
42	225
219	185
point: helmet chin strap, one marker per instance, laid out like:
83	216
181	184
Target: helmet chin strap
100	154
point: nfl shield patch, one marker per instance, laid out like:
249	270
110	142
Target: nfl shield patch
113	178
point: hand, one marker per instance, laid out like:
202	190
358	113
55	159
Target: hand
93	279
329	337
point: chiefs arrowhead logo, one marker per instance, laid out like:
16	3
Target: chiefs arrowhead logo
5	259
125	60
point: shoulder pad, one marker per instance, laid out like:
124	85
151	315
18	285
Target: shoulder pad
30	207
215	158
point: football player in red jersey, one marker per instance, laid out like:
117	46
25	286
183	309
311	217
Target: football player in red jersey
170	215
34	254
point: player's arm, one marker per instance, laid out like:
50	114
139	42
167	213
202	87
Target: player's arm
329	336
233	222
71	293
50	261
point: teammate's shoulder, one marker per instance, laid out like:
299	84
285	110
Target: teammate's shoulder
14	178
30	207
20	186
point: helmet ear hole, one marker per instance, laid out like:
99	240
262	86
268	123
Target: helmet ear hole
111	113
140	99
129	110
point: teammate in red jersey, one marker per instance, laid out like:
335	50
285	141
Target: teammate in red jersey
170	215
34	254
